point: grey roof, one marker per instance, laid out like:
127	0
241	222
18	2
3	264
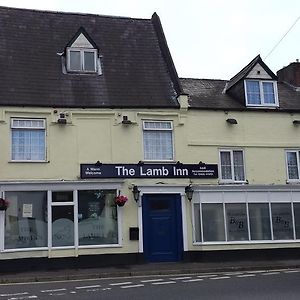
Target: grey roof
137	67
210	94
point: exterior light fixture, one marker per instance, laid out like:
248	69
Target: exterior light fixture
136	193
125	121
296	122
231	121
189	192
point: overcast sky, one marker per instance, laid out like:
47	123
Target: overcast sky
207	38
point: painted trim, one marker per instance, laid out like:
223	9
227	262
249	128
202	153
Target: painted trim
163	190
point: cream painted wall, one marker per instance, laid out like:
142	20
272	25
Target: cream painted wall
92	135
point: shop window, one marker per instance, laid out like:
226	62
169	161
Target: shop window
213	222
260	226
97	217
26	220
297	219
282	221
293	167
28	139
261	93
218	220
232	165
158	140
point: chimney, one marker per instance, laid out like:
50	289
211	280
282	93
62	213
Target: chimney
290	74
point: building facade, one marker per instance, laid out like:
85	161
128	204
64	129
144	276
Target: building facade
92	109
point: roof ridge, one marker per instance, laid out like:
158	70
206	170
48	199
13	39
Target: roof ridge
71	13
193	78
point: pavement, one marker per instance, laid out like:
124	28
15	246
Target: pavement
150	269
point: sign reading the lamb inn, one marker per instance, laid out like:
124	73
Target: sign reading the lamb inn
148	171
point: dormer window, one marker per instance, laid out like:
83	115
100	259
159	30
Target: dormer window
81	60
261	93
82	55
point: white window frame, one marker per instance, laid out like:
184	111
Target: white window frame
12	127
221	180
81	51
297	151
171	129
53	187
270	198
262	100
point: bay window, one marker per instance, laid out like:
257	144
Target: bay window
246	217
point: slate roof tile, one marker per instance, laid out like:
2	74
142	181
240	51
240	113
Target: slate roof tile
135	73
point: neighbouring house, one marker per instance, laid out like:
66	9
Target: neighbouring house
108	157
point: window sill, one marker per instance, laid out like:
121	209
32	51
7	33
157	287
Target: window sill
246	242
296	181
233	182
158	161
28	161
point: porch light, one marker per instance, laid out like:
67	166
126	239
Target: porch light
231	121
189	192
136	193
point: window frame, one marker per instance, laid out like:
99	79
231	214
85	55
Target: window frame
269	197
297	151
49	188
232	180
171	129
13	127
82	63
261	92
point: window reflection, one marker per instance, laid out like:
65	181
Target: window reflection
26	220
97	217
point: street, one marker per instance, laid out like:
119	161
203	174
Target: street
275	284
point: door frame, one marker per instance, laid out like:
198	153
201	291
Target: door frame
163	190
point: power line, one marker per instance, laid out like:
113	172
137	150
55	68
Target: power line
282	37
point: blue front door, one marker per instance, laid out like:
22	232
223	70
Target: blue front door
162	227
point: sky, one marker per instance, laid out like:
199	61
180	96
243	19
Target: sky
211	39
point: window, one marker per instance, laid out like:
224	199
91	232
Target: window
28	139
82	60
26	220
41	219
261	93
246	216
158	140
97	217
232	165
292	162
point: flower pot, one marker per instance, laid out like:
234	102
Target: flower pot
120	204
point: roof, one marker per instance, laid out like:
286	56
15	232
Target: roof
245	71
210	94
137	68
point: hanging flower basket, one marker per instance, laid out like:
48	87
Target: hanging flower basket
121	200
3	204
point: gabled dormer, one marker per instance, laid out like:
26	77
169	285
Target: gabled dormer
255	85
82	54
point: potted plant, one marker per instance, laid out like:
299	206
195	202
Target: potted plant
121	200
3	204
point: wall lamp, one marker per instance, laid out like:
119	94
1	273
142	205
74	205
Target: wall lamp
296	122
126	121
231	121
136	193
189	192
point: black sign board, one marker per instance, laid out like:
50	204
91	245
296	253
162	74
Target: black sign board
148	171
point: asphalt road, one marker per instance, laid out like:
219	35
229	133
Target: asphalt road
275	285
